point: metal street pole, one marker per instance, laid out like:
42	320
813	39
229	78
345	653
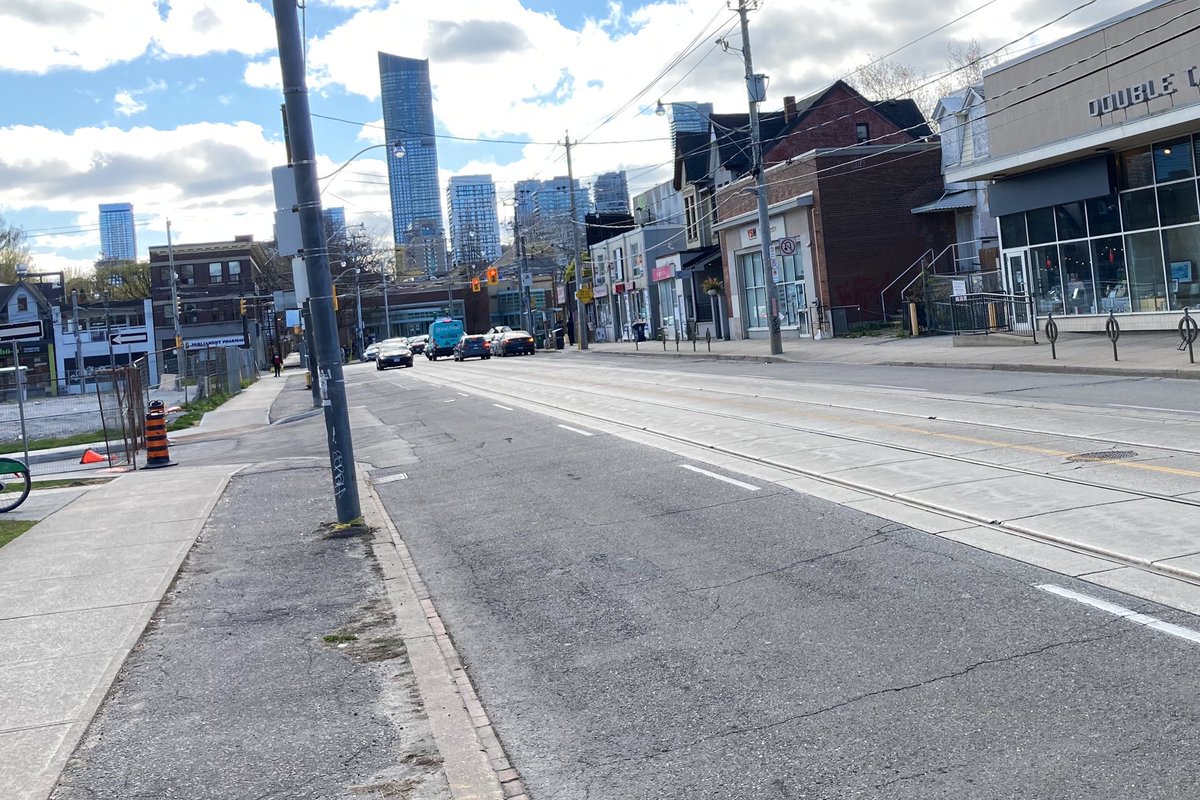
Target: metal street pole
180	359
359	337
580	322
316	262
760	187
387	311
78	341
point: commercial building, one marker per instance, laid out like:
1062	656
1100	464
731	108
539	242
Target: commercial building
118	239
474	224
407	98
1094	142
610	193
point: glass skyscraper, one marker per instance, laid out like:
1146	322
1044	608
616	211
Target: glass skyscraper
118	242
412	177
611	192
474	225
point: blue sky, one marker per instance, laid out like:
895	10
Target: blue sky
173	105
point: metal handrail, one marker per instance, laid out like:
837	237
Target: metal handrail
918	263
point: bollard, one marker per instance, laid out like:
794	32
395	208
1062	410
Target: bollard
676	341
1187	333
157	454
1051	334
1113	329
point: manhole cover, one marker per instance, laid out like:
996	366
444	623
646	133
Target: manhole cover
1103	455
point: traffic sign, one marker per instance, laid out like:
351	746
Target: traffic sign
787	246
19	331
585	294
128	337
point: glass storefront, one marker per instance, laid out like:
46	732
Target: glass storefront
1133	251
793	305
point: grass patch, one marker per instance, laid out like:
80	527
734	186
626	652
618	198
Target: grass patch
58	483
195	410
338	638
12	528
54	441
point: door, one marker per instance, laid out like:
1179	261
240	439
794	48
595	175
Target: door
1016	283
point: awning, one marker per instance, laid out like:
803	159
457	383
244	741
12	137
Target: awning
948	202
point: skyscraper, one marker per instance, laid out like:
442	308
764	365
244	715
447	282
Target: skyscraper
118	241
611	192
474	225
413	176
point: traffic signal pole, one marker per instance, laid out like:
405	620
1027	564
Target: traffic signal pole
580	309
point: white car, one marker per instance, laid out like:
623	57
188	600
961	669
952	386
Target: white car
370	353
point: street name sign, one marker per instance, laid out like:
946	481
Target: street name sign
19	331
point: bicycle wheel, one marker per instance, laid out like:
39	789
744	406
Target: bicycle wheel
14	483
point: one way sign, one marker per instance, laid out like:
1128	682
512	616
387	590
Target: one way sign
128	337
18	331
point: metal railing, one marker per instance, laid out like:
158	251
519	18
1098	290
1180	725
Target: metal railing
982	313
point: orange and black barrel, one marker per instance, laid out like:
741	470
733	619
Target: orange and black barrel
157	454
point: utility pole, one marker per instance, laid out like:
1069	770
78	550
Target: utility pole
361	338
387	311
580	322
756	91
78	340
316	262
180	360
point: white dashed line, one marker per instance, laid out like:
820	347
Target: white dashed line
1128	614
738	483
575	430
463	394
506	408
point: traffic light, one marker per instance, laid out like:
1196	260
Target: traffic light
242	306
493	276
474	284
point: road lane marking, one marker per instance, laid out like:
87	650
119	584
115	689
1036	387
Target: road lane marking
748	486
399	476
1128	614
575	430
506	408
1153	408
889	386
451	400
463	394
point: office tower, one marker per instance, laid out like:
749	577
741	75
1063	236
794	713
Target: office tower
689	117
552	201
412	159
611	192
524	192
474	225
335	221
118	242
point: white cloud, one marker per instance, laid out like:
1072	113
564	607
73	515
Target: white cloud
128	104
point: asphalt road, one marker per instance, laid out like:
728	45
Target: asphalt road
637	629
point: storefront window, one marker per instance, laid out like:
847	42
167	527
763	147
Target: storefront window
1173	161
1047	280
1041	225
1181	246
1080	283
1070	221
1147	287
1012	230
1177	203
1136	168
754	291
1138	210
1108	258
1103	216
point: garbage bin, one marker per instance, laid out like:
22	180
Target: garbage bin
639	331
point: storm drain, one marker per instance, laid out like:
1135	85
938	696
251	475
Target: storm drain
1103	455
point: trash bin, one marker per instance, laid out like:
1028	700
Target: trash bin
639	331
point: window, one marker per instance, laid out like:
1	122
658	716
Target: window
216	273
1103	216
1047	279
235	271
22	303
754	291
186	275
1070	221
1112	285
1012	230
635	255
1182	249
1041	225
862	133
1138	210
618	264
1177	203
689	215
1136	168
1147	287
1173	161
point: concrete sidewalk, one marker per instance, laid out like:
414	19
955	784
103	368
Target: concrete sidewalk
1140	354
78	589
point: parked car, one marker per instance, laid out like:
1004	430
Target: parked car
472	346
515	343
417	343
443	335
369	353
494	333
393	353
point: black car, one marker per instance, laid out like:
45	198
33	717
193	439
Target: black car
472	346
393	354
515	343
417	343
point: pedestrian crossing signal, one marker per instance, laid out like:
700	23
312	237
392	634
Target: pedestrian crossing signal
493	276
474	284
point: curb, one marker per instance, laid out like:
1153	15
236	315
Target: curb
1068	369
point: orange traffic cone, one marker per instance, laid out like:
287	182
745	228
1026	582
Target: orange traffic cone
90	456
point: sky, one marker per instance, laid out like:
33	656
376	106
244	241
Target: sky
174	105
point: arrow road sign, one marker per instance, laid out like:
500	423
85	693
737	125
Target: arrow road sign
787	246
17	331
128	337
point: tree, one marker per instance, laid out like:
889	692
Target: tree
13	251
888	80
126	281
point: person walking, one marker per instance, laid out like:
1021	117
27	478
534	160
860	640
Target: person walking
277	363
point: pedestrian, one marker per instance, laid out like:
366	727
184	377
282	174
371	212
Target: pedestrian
570	334
277	363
